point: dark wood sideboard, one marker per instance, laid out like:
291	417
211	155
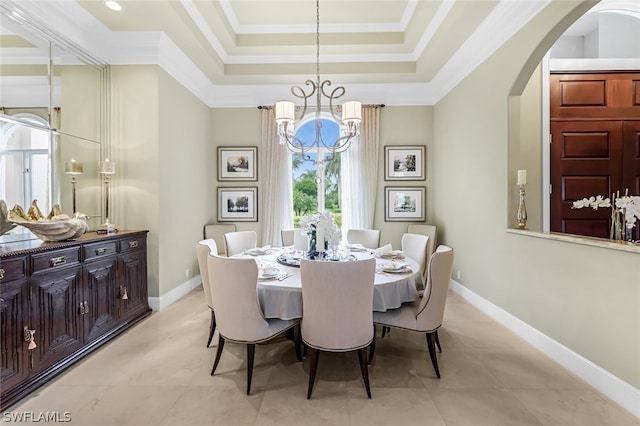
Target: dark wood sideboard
71	297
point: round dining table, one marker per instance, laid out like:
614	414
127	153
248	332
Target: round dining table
280	296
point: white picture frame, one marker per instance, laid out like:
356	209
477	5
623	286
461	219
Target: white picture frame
405	204
237	163
238	204
405	162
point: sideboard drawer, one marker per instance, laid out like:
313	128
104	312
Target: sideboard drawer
107	248
55	259
132	243
13	269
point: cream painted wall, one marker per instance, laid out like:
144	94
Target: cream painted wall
185	179
136	200
162	147
587	298
236	127
410	125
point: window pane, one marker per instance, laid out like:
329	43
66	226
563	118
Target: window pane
40	181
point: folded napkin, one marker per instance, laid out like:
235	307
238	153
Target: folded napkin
387	252
258	251
356	247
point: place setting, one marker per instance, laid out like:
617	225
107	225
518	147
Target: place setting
271	273
391	267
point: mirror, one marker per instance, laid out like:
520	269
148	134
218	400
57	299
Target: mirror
52	110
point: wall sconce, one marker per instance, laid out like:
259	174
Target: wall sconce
106	168
73	168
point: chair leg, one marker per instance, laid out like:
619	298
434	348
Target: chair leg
362	358
438	342
218	353
251	350
296	341
212	328
385	330
313	368
432	352
372	347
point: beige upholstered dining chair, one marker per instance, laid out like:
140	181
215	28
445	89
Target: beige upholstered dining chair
424	315
369	238
416	246
203	248
240	241
430	231
288	236
337	301
238	314
216	232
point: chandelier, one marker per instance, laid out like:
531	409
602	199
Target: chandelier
348	115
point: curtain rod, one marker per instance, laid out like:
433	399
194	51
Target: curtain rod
364	105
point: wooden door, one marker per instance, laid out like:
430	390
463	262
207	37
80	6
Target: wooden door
55	303
631	162
595	149
133	278
586	159
14	368
99	297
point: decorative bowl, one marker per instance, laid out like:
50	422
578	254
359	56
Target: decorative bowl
55	227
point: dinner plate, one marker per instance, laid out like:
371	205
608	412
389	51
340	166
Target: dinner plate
394	267
268	273
395	254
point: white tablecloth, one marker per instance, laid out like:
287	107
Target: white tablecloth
283	299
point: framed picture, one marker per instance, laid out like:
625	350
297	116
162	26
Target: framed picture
405	204
237	163
238	204
405	162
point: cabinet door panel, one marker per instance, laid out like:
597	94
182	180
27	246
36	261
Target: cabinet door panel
100	296
13	309
134	280
55	313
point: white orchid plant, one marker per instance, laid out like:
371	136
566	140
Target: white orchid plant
628	206
324	221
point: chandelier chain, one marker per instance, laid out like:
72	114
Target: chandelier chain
318	41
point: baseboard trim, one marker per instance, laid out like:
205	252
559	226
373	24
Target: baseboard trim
171	297
613	387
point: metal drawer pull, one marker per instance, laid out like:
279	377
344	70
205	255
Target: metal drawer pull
123	293
57	261
101	250
133	244
28	337
2	271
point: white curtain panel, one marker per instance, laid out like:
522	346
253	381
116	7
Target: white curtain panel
277	182
359	174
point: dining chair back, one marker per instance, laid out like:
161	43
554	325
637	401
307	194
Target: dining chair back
203	249
216	232
430	231
369	238
288	236
337	301
240	241
425	315
239	316
415	246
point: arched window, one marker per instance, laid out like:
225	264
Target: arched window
24	163
316	179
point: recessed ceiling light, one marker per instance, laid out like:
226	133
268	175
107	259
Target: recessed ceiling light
113	5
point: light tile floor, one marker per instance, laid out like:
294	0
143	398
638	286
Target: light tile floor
158	374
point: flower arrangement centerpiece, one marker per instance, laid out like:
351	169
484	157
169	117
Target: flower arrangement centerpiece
322	231
625	211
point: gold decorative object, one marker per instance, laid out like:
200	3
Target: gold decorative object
522	208
55	227
5	225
